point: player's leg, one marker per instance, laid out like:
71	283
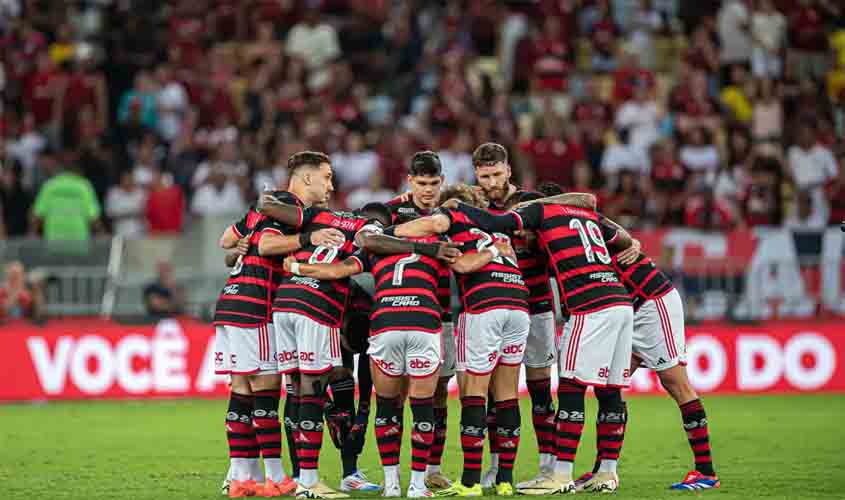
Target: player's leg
505	388
422	364
615	324
291	419
287	363
673	376
539	357
434	477
387	362
488	478
319	352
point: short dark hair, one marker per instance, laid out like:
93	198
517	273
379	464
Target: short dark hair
489	153
550	188
425	163
307	159
524	196
378	211
463	193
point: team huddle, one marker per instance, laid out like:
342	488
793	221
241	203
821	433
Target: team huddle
299	303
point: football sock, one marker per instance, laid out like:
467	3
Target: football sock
543	417
268	431
422	436
570	423
388	428
507	440
610	426
472	438
309	438
492	432
695	424
291	426
343	395
441	417
243	445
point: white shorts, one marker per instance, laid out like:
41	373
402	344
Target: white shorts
486	339
595	348
540	345
447	349
659	339
400	352
244	351
305	345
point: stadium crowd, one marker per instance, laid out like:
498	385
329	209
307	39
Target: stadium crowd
709	114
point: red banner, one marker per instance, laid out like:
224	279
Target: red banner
97	359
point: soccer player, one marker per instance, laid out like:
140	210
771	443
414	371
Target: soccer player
425	178
595	348
658	344
245	350
490	341
493	174
308	312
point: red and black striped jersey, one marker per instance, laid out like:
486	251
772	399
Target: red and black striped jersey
404	211
245	300
406	290
324	301
497	285
643	279
534	266
576	244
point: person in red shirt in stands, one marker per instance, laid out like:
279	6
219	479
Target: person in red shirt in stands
629	76
553	155
704	211
41	91
165	205
550	53
603	35
808	39
18	298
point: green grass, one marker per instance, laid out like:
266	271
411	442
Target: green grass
764	447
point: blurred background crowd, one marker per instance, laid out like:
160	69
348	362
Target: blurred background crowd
706	114
709	114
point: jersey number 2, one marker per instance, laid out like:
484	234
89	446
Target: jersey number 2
592	232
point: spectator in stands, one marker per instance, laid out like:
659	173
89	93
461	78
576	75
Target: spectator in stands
164	298
737	97
165	206
140	99
316	43
668	184
172	100
734	21
641	116
21	296
767	114
125	206
808	40
456	159
603	34
768	32
645	24
14	201
733	176
622	155
805	216
26	145
66	207
836	193
355	165
699	154
220	194
762	204
703	211
630	76
811	165
374	192
627	203
594	117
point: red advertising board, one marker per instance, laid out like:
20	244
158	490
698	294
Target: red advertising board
98	359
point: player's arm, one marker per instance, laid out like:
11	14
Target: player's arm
324	271
493	223
274	242
230	238
424	226
471	262
616	237
270	206
383	244
241	248
582	200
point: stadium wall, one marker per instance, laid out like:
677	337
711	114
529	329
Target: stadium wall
99	359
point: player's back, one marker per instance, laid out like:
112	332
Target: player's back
496	285
323	301
575	242
248	293
406	291
643	279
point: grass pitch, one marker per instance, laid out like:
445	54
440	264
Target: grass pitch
764	447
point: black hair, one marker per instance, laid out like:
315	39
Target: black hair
550	188
378	211
425	163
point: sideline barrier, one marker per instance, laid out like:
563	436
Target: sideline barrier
98	359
